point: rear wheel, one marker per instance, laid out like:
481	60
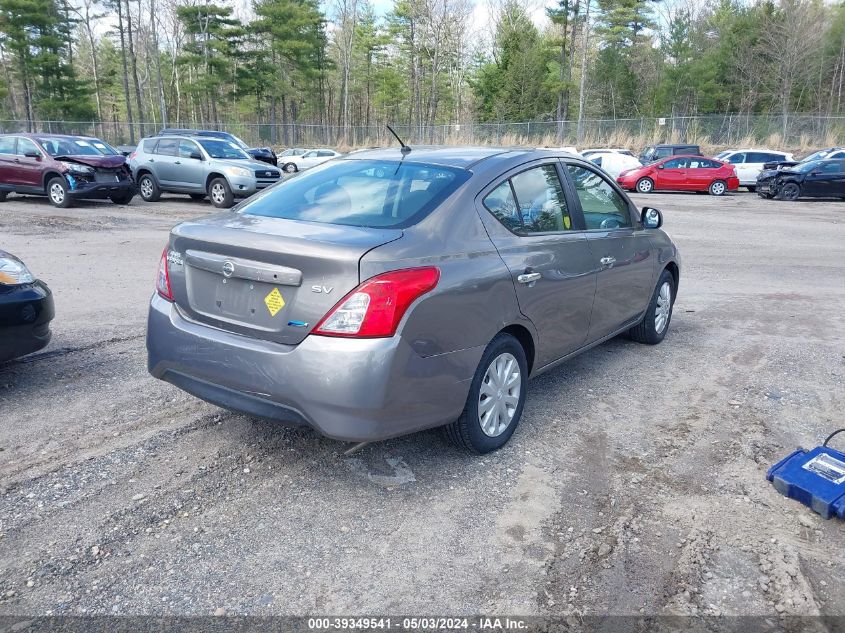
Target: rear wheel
3	195
790	191
496	398
198	196
148	188
652	329
58	192
645	185
289	168
220	193
718	188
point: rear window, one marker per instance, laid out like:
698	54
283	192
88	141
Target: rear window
378	194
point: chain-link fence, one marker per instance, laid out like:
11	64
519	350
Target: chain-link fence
792	131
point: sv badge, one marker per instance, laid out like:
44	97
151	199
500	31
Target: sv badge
322	289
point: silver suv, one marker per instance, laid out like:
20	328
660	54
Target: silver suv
198	166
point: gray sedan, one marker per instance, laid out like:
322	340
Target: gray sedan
387	292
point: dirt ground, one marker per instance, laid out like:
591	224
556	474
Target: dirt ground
635	483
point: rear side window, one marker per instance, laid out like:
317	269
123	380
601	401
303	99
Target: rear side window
762	157
325	153
378	194
7	144
663	152
530	202
703	163
675	163
604	208
168	147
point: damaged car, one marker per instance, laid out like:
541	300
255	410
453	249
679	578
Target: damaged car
63	168
812	179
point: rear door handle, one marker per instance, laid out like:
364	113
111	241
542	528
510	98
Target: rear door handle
528	278
177	162
607	262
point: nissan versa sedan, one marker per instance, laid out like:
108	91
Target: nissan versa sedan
392	291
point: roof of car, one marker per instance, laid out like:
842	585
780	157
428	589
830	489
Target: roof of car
47	134
451	156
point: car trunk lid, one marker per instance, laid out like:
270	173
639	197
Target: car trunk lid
268	278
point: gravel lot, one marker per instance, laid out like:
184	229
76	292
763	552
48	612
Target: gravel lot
635	483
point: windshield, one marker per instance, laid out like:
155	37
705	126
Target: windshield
218	148
378	194
56	146
806	166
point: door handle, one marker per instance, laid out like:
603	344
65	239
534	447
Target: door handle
529	278
607	262
178	162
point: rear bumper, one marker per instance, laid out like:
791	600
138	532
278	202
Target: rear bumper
733	183
25	315
347	389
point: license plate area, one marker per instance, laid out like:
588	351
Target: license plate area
243	302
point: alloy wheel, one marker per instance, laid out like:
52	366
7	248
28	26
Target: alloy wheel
146	188
644	186
498	396
663	308
218	193
717	188
57	193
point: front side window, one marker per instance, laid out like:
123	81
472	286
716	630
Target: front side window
371	193
25	145
737	159
675	163
7	144
603	207
218	148
186	148
149	145
831	167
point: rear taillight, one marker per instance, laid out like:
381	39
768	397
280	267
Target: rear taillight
131	155
163	278
375	308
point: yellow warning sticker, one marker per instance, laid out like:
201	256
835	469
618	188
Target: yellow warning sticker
274	301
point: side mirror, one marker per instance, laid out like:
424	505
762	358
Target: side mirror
196	156
32	154
652	218
661	166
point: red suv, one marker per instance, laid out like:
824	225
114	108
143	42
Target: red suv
64	168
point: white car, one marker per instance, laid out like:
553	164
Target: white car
587	153
613	163
310	158
749	163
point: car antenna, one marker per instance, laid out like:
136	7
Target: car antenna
405	149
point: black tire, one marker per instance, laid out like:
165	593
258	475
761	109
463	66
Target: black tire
765	196
290	168
220	193
148	188
199	197
3	195
789	192
752	189
644	185
646	331
466	432
123	198
718	188
58	192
